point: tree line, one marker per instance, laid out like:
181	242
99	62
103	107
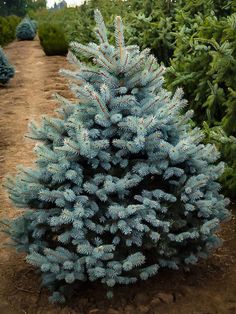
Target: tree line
20	7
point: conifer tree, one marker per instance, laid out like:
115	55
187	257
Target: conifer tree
153	28
34	25
204	65
123	184
6	69
25	30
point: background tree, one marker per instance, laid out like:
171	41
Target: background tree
13	7
26	30
204	64
8	26
35	5
20	7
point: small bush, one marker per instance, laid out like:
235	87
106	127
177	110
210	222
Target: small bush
52	39
8	28
25	30
6	70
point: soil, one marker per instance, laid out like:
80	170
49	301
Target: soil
208	288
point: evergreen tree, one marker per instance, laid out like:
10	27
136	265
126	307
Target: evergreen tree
16	7
20	7
227	146
123	184
52	39
6	70
35	5
204	64
34	25
25	30
8	29
152	26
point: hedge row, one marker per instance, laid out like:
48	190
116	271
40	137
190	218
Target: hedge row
53	39
8	29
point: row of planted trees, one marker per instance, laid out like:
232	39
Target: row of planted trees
8	29
25	30
20	7
11	13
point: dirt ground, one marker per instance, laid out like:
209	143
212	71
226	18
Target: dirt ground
208	288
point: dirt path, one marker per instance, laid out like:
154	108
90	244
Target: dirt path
209	288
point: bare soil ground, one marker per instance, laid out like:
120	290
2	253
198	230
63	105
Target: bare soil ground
208	288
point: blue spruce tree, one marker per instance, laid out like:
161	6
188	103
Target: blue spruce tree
6	69
123	185
26	30
34	25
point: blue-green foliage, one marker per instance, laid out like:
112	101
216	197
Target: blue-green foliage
34	25
123	184
6	69
26	30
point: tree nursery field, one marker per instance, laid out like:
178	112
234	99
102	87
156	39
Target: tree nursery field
117	157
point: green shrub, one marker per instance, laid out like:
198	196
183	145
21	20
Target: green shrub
52	39
25	30
204	64
227	147
8	28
